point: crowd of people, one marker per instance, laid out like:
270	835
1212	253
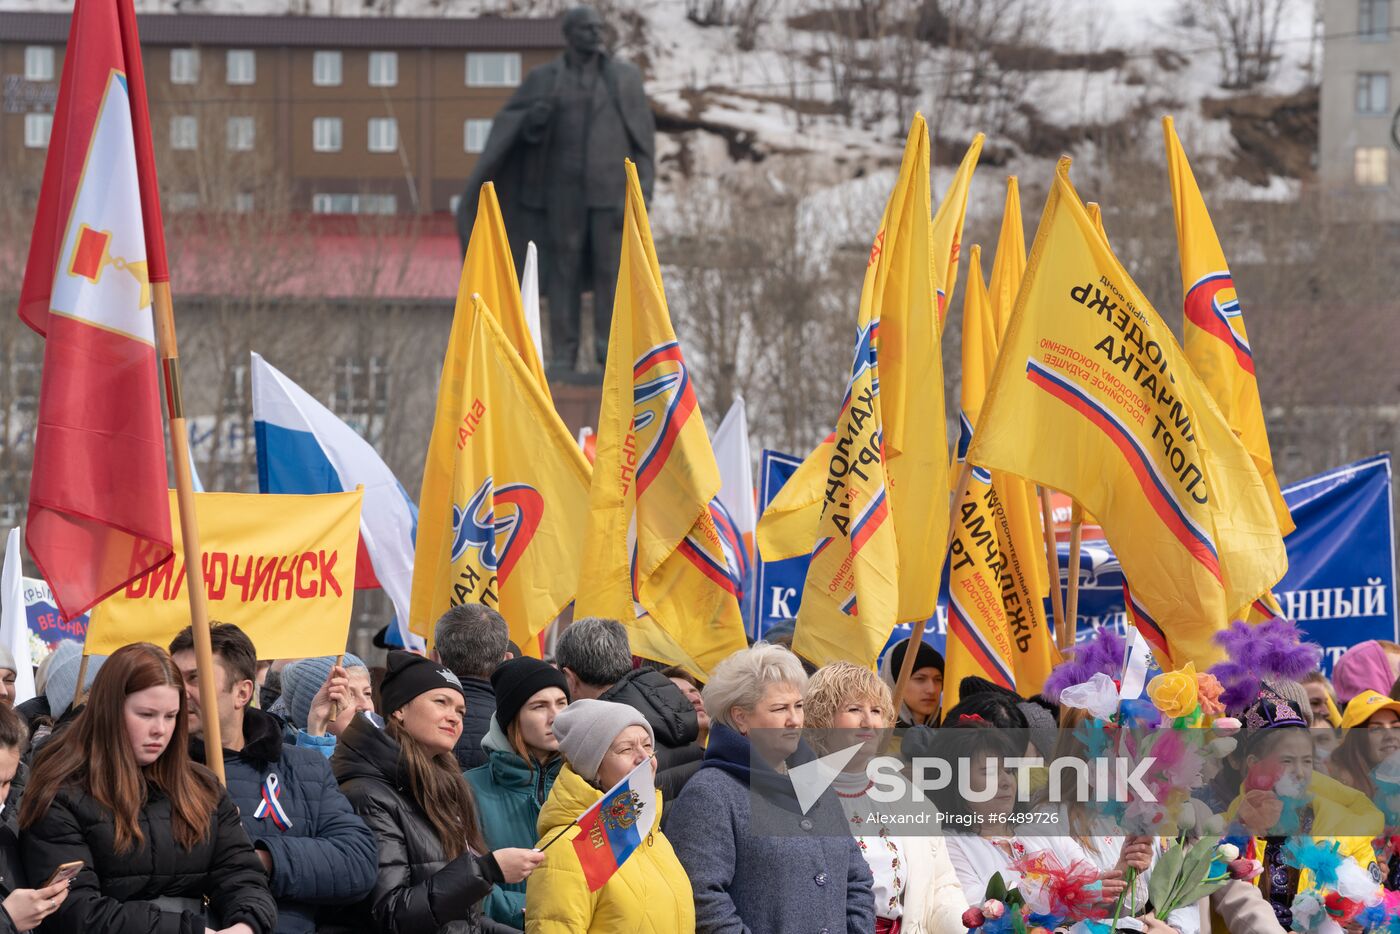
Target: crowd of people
443	793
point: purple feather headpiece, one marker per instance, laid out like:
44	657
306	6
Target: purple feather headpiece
1103	653
1254	654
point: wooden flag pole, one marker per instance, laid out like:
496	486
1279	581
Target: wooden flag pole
916	635
1063	637
335	707
1076	540
78	693
189	527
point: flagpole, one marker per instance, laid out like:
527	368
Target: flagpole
189	527
1076	540
82	677
916	635
1052	565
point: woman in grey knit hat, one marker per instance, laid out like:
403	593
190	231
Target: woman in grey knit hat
602	743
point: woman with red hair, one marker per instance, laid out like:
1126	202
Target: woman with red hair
159	841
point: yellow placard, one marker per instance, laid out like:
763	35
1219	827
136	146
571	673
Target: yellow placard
280	567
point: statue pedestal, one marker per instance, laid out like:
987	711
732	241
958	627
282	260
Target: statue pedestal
576	398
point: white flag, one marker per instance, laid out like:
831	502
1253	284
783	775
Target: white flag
14	619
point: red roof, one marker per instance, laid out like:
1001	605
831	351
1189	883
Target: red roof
316	257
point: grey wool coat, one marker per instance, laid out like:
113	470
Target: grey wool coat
756	863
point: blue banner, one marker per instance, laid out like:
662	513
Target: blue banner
777	586
43	616
1340	585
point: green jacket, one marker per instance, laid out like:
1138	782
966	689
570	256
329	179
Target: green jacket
509	794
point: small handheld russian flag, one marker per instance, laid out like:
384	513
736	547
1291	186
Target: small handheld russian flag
611	829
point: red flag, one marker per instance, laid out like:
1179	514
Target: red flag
99	514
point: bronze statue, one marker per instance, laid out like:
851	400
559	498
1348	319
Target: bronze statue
555	154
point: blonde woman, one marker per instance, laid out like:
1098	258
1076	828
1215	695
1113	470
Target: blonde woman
916	889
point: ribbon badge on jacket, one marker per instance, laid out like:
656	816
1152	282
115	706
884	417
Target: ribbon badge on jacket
271	807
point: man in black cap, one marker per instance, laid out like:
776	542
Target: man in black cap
923	696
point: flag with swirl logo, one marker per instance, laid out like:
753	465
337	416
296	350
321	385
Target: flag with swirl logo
1093	396
1215	338
488	271
876	518
518	488
653	556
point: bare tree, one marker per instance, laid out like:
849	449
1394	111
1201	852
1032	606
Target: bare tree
1245	33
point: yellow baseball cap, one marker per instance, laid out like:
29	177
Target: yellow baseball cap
1364	706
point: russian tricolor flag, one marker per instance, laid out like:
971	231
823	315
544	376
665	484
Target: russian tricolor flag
304	448
611	829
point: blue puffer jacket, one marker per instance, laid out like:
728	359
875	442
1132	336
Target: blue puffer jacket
509	793
325	854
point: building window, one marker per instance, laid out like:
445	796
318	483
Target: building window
325	134
493	69
360	392
184	132
1373	92
474	135
353	204
243	202
240	134
383	134
38	63
184	66
1372	166
383	69
325	69
1374	24
241	67
36	130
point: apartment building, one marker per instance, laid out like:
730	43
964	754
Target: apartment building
356	115
1359	137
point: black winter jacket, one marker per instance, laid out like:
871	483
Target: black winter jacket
481	707
11	869
672	719
418	891
326	855
115	893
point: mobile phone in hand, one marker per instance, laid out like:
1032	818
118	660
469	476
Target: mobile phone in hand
64	873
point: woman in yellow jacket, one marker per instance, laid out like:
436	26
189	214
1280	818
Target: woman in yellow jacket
602	743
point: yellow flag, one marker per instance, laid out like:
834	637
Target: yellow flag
900	290
487	271
519	488
1093	396
948	225
651	545
1216	341
281	567
892	413
981	640
1007	500
788	525
1009	264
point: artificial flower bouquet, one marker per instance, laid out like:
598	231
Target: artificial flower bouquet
1050	897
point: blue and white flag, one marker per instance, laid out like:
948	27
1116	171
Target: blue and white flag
304	448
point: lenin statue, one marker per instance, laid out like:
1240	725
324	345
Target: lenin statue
555	154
